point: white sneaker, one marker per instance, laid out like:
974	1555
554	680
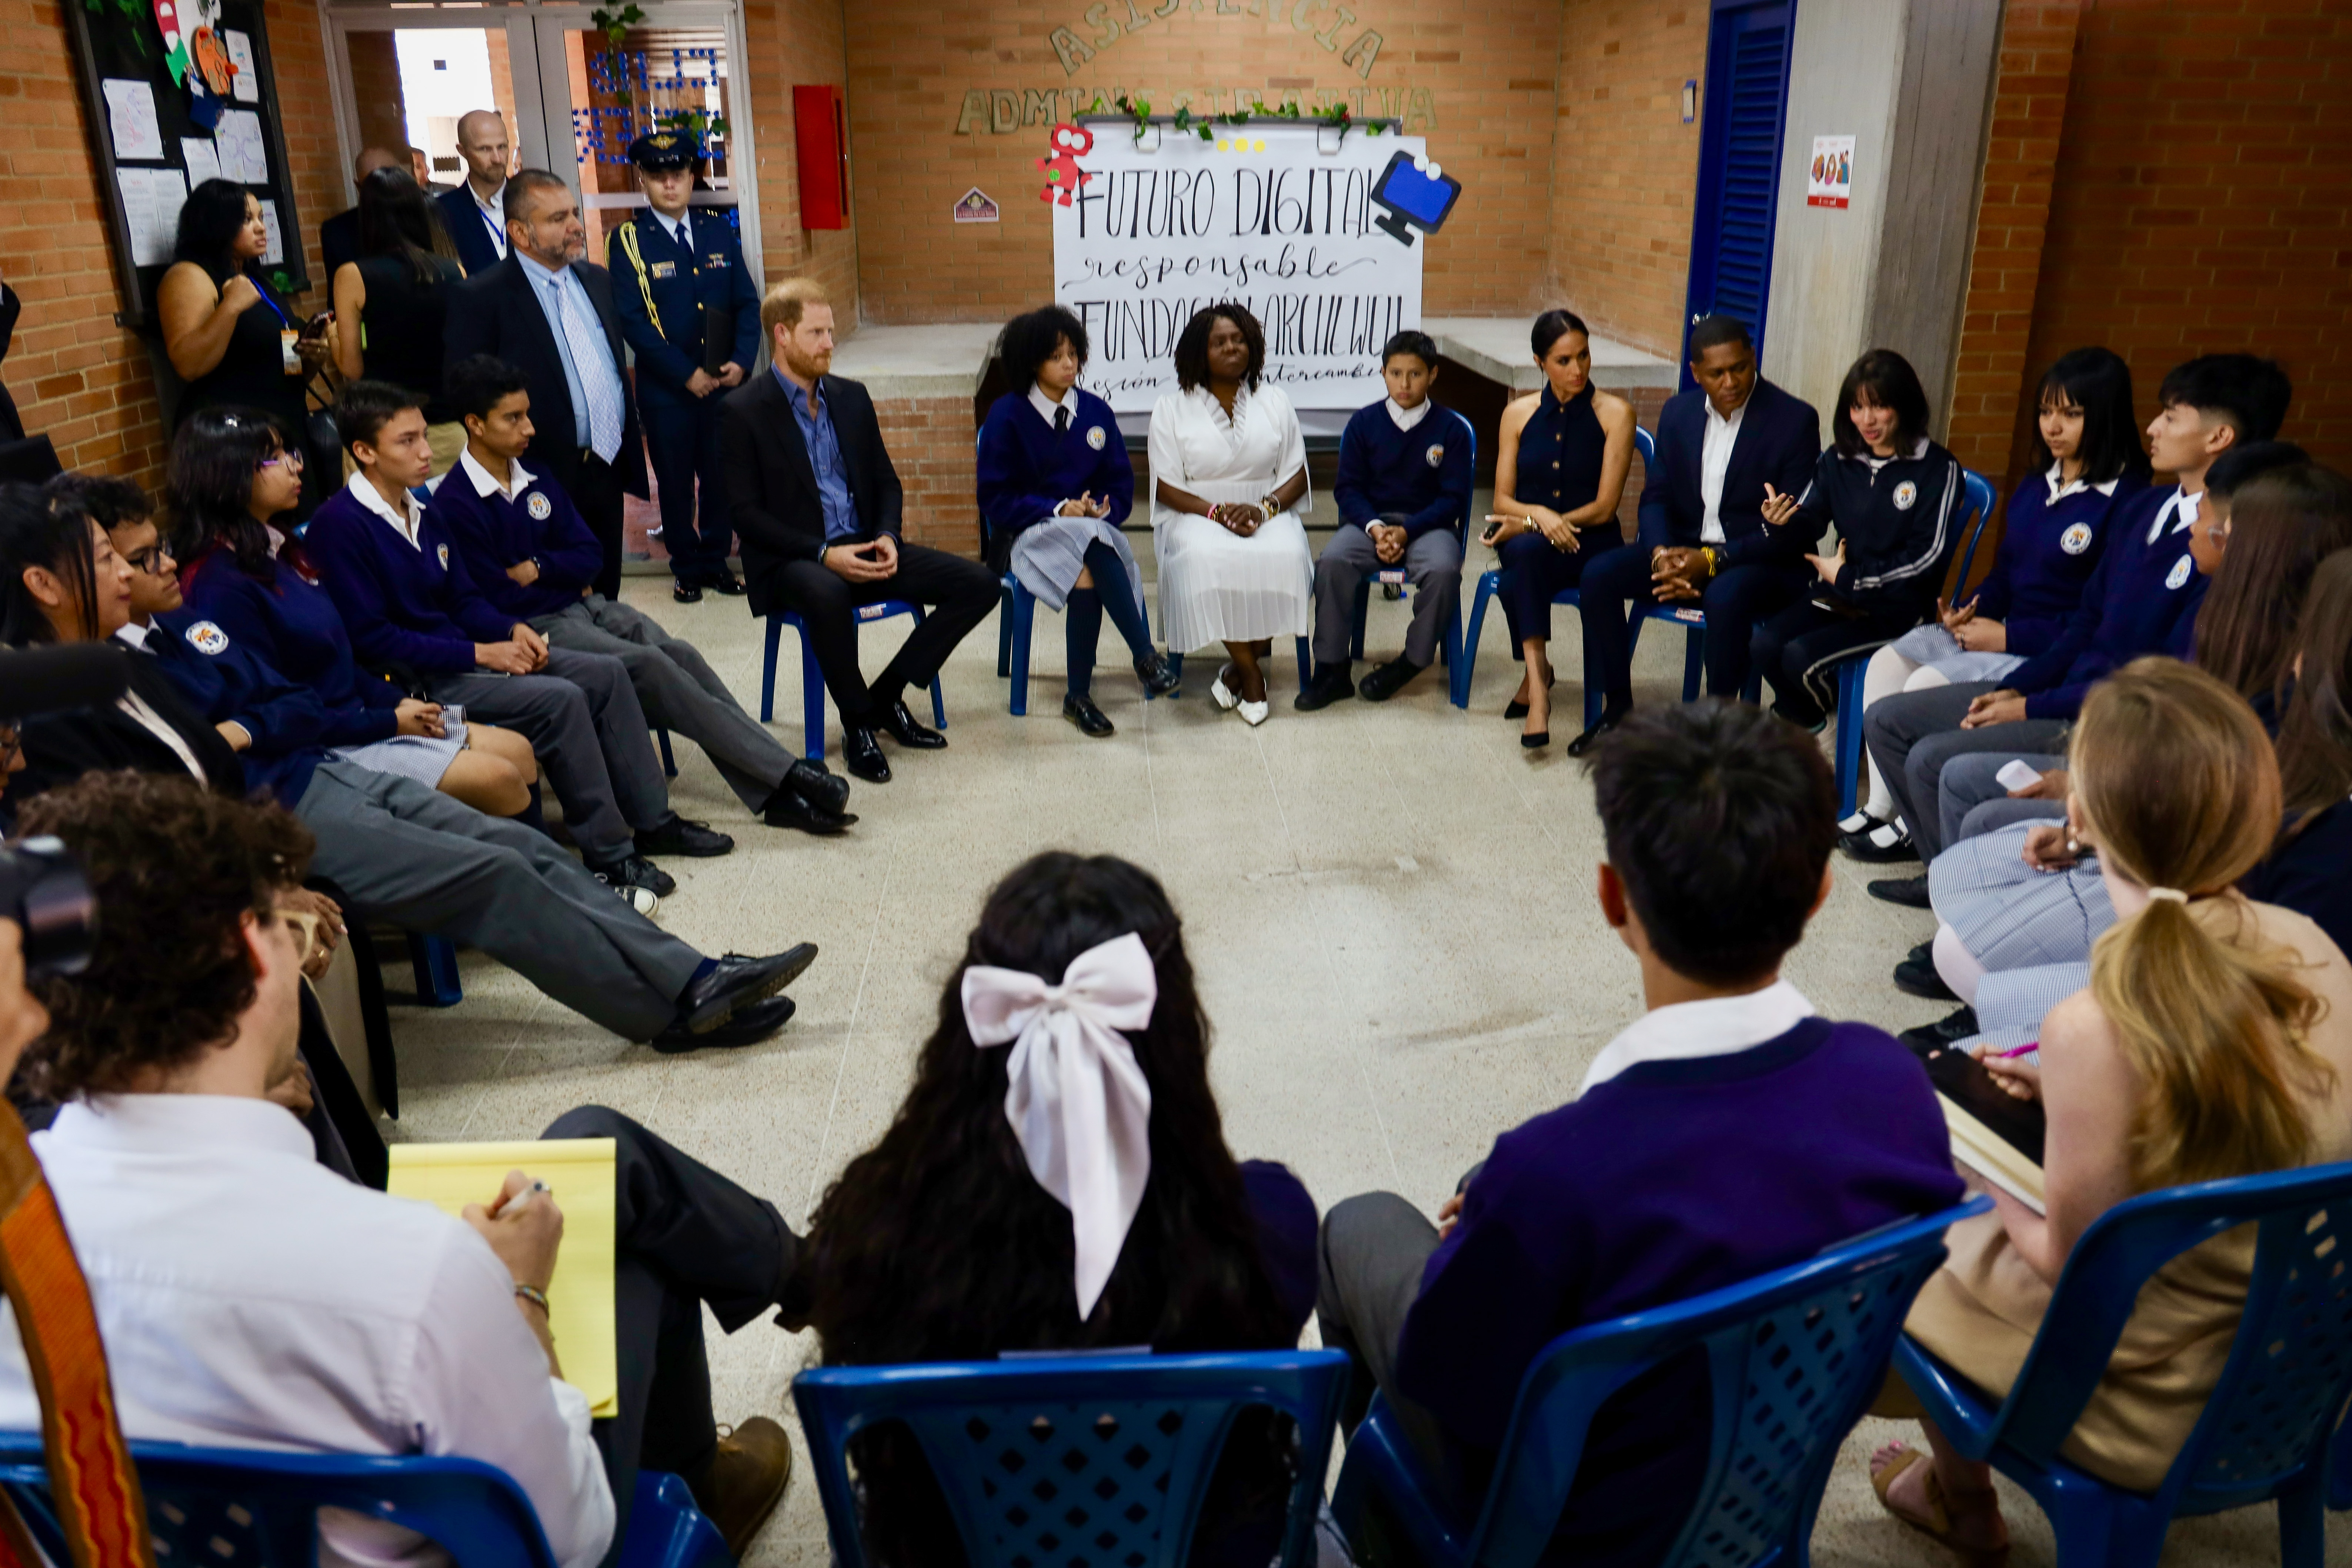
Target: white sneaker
644	900
1220	695
1254	712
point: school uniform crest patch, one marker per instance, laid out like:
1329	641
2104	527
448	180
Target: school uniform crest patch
539	505
2180	573
2075	539
207	638
1906	496
1436	453
442	550
1095	437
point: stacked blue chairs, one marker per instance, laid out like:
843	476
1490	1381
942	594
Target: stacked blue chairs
2265	1434
1850	667
253	1508
1084	1459
812	677
1491	583
1449	643
1794	1358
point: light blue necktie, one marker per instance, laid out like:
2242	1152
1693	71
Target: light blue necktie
588	351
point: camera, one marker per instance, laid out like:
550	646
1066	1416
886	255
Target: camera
43	890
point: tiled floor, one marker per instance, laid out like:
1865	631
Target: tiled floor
1391	910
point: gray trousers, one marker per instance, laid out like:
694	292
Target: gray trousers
1433	564
583	719
1971	800
1371	1252
677	688
1912	734
412	856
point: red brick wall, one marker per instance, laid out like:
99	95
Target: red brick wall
375	86
797	42
944	96
1624	165
929	442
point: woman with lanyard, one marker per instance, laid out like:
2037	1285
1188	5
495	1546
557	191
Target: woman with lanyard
228	335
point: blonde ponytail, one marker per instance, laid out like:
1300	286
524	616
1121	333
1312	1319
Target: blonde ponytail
2181	790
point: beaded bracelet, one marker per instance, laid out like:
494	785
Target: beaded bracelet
534	1295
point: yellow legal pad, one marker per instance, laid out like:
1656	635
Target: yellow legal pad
579	1172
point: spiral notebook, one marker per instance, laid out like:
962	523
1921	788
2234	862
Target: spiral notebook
579	1173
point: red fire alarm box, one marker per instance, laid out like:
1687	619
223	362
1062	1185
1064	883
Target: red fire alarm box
821	127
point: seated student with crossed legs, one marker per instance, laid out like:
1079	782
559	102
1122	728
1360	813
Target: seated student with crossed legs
1055	486
530	553
1404	480
1673	1172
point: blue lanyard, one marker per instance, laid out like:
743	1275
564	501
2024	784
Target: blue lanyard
272	304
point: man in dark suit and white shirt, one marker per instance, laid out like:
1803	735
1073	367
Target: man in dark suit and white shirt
1722	447
338	237
474	212
816	504
550	313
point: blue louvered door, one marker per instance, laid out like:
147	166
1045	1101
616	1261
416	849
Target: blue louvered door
1740	129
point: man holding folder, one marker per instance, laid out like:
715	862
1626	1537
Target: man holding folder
247	1296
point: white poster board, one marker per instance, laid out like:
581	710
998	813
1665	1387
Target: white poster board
1261	214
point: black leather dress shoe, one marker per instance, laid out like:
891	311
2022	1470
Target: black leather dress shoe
636	871
756	1021
1388	680
1917	976
898	723
1945	1032
684	593
1880	844
1911	892
674	835
1159	677
817	785
738	981
1610	719
1080	710
789	808
1328	686
861	754
725	583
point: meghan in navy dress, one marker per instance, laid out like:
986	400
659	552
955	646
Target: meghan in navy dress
1560	471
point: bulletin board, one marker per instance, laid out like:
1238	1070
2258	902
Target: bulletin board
157	132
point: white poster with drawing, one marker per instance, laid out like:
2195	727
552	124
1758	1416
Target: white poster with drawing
246	86
151	199
275	255
131	118
237	140
203	160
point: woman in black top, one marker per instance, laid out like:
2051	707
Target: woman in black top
392	301
2310	868
231	339
1896	498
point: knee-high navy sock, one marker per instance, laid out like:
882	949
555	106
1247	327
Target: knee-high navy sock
530	816
1082	621
1119	604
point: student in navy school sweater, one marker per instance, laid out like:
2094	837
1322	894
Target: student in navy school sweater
2145	588
1056	484
530	553
1403	488
1728	1133
406	599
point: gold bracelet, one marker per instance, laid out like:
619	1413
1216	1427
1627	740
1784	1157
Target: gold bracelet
1269	505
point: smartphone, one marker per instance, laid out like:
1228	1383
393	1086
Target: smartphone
1494	527
317	325
2016	774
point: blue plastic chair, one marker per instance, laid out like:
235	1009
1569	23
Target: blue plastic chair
813	679
1090	1459
1491	583
251	1507
1449	643
1851	666
2265	1434
1794	1358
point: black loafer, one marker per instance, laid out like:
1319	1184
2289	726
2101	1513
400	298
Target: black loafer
674	835
1159	677
818	785
1330	686
789	808
1610	719
1388	680
726	583
738	981
1911	892
1917	976
684	593
898	723
637	872
1081	711
756	1021
861	754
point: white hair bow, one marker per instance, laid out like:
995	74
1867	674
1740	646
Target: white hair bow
1075	1097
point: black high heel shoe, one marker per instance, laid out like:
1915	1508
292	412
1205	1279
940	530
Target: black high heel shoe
1515	708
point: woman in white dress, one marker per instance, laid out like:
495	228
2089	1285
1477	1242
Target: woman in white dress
1228	481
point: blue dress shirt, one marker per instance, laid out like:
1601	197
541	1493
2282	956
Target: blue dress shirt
544	287
824	458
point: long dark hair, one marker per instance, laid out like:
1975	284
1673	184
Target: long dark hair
208	487
1192	344
2282	525
2098	382
209	221
397	219
2314	740
1892	383
51	531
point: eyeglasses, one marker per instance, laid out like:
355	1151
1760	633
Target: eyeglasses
153	562
292	458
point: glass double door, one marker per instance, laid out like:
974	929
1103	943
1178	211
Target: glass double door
571	95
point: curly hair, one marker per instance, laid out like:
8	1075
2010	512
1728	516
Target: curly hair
1032	339
1192	344
175	870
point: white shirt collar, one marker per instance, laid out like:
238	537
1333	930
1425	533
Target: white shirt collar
676	228
156	1124
1406	418
518	477
1048	406
1717	421
494	206
2180	503
1686	1031
2061	487
134	634
541	274
1207	400
406	527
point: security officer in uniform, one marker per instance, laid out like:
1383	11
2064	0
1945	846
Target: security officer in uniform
692	313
